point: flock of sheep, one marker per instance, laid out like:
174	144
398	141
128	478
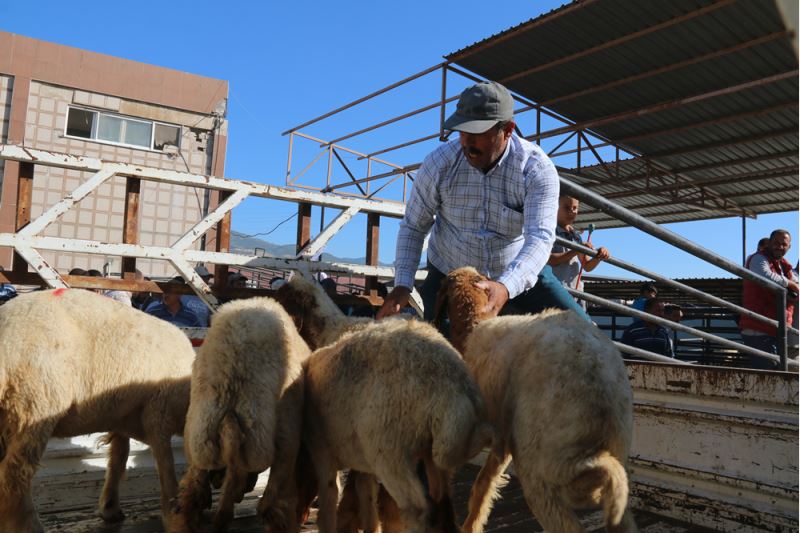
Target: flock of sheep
293	385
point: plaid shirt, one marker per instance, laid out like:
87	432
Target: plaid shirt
502	222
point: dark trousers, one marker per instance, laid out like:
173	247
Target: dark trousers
548	292
765	343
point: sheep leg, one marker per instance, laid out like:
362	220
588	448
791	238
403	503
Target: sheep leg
279	503
366	487
161	448
347	518
400	479
193	497
328	490
22	456
485	491
550	510
109	508
627	525
231	487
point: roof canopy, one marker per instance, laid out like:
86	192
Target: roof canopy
704	94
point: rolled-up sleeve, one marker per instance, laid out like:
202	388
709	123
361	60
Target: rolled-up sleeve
416	223
540	210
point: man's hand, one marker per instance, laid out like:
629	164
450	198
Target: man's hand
498	296
602	253
394	302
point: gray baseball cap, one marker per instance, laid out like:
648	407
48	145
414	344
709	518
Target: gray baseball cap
480	107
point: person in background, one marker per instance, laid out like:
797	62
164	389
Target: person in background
771	264
172	310
489	200
7	290
646	291
237	280
144	300
674	313
567	264
648	335
760	247
194	303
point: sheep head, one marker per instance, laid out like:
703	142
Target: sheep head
309	307
463	302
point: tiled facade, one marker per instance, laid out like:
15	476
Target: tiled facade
36	116
166	211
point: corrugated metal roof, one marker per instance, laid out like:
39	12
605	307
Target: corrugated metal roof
704	94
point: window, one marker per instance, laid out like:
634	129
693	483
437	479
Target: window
117	129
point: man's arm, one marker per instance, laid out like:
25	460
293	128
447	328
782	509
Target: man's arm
420	211
760	265
541	206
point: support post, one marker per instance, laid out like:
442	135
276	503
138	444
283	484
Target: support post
744	239
373	234
130	233
222	244
303	225
23	217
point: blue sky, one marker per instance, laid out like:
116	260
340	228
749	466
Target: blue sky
287	62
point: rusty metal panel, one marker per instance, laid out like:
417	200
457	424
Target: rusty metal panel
716	447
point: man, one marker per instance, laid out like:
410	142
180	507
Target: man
172	310
648	335
760	247
7	291
674	313
194	303
491	198
646	292
769	263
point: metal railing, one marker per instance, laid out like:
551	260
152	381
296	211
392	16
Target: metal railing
663	234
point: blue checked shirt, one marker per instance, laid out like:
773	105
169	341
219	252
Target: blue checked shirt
502	222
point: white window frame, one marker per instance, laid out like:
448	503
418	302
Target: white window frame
96	122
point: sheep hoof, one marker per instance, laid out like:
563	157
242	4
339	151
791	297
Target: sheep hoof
112	514
275	517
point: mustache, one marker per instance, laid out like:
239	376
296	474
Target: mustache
472	151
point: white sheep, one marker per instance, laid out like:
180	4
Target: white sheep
379	401
558	394
74	362
245	413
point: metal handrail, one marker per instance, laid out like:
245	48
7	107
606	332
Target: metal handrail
700	295
624	309
638	221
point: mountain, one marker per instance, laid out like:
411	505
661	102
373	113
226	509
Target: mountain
246	245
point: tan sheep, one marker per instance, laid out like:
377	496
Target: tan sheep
74	362
382	399
245	413
557	392
317	318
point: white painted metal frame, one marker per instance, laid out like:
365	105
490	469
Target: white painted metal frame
28	240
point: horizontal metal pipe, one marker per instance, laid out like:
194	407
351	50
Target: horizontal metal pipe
650	356
365	98
638	221
700	295
668	323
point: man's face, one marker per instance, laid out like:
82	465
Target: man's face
484	149
779	245
567	210
172	299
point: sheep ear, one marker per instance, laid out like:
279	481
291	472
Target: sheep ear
441	304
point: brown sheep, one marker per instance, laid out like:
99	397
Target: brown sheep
379	401
245	413
74	362
557	392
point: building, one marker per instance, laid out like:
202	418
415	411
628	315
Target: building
65	99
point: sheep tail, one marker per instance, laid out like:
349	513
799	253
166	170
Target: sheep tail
231	442
614	482
454	446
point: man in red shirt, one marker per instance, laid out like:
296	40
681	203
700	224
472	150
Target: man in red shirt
769	263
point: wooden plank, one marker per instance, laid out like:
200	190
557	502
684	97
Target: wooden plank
130	232
373	237
23	217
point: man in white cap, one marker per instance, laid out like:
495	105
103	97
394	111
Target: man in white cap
491	199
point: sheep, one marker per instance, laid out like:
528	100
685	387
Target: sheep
245	413
75	362
321	322
317	318
380	400
558	394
